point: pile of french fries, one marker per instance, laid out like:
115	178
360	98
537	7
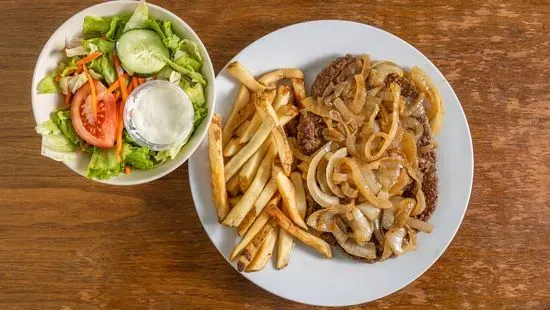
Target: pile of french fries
255	186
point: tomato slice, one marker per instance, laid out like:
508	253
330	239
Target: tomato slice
100	130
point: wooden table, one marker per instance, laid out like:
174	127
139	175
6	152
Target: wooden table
67	242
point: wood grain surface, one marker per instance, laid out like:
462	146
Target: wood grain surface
70	243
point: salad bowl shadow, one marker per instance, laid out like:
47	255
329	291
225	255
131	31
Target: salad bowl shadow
52	54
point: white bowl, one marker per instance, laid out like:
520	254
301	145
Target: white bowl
52	54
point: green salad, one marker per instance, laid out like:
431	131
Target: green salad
116	55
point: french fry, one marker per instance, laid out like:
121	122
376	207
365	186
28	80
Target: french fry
288	193
279	74
285	114
237	70
217	167
283	149
252	248
248	171
233	200
231	148
239	113
265	252
240	210
252	126
269	190
266	111
254	229
263	103
258	224
285	241
239	131
282	98
233	186
319	244
299	90
301	202
256	120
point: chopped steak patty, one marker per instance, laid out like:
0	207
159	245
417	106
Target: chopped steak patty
291	128
408	89
330	74
426	164
310	139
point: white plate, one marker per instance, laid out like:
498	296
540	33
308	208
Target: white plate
309	278
51	55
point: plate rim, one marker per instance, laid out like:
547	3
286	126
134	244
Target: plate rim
211	95
195	192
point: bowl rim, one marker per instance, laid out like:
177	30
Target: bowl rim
200	132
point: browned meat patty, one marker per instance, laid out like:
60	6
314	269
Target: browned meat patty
309	135
291	128
426	163
408	89
426	155
330	73
310	126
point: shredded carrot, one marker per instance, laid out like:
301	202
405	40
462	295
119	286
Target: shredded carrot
121	80
88	59
141	81
92	90
124	92
127	169
68	98
117	96
114	86
130	88
135	82
57	78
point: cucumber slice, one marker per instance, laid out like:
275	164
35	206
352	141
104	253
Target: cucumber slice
142	52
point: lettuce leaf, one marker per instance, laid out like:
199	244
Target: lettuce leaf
48	85
68	66
191	74
137	157
94	25
76	51
188	62
139	18
110	27
154	24
99	44
104	164
60	124
163	156
191	48
72	83
171	40
62	119
117	27
104	65
196	94
165	73
54	144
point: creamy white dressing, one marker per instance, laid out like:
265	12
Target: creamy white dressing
162	113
